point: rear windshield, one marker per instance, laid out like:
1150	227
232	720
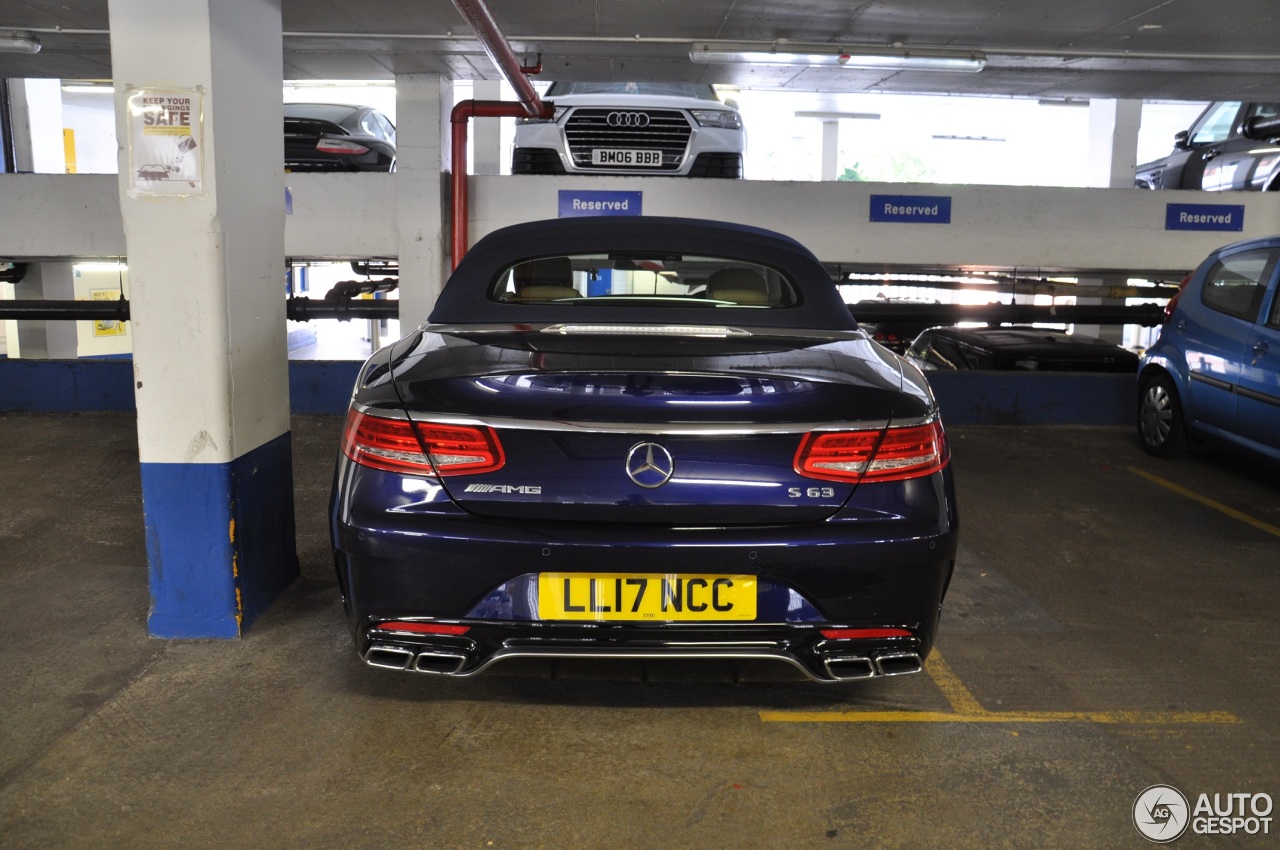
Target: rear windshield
700	91
635	279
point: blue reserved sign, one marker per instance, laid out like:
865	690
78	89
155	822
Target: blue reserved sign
580	202
916	209
1204	217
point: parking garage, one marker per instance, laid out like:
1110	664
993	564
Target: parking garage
181	673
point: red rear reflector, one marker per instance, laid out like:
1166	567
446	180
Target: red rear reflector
423	628
338	147
396	445
863	634
853	456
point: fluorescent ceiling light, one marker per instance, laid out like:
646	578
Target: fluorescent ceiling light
969	138
12	41
87	88
836	116
888	58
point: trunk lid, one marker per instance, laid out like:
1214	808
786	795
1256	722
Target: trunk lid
645	430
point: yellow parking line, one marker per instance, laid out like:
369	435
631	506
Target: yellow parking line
1145	718
965	708
962	701
1207	502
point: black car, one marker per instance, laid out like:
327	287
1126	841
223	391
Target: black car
1013	349
1231	146
893	335
337	137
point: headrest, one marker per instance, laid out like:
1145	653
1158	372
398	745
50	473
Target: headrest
539	292
741	286
546	271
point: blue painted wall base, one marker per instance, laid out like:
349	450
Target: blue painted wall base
220	541
324	386
105	385
1035	398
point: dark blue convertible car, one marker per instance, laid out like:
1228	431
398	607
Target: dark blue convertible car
643	438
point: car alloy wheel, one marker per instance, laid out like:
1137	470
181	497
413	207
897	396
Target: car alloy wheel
1160	425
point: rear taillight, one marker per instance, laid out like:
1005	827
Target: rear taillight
1173	302
420	448
461	449
892	455
340	147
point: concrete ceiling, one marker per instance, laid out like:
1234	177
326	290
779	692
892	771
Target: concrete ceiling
1166	49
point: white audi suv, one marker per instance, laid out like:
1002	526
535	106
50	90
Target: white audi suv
674	129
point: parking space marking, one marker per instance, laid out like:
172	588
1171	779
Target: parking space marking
1207	502
1132	718
965	708
962	701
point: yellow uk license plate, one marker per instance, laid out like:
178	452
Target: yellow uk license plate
651	597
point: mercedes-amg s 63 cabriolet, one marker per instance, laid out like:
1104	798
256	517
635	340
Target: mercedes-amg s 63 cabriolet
643	438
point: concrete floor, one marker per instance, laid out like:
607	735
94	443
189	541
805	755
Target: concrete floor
1083	587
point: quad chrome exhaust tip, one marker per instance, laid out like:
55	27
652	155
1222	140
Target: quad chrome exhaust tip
427	661
851	668
898	663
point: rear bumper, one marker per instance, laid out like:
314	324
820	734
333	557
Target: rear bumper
486	644
883	561
837	575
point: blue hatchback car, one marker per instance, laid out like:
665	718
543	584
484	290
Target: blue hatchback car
643	438
1215	370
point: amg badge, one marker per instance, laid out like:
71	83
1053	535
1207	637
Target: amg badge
522	489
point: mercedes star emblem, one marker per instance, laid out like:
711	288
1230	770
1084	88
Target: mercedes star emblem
650	465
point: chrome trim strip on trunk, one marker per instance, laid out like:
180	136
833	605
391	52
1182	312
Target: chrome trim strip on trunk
664	429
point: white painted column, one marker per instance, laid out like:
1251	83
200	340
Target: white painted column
830	148
204	229
36	107
486	136
423	102
1113	142
38	339
1113	158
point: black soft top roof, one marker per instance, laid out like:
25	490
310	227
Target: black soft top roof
465	297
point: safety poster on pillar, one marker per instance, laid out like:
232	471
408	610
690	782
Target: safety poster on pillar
166	153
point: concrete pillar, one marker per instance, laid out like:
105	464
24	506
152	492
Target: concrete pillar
1113	158
423	102
486	137
40	340
36	107
1113	142
830	148
204	229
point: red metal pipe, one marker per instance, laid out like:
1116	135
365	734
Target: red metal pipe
500	53
458	193
528	105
